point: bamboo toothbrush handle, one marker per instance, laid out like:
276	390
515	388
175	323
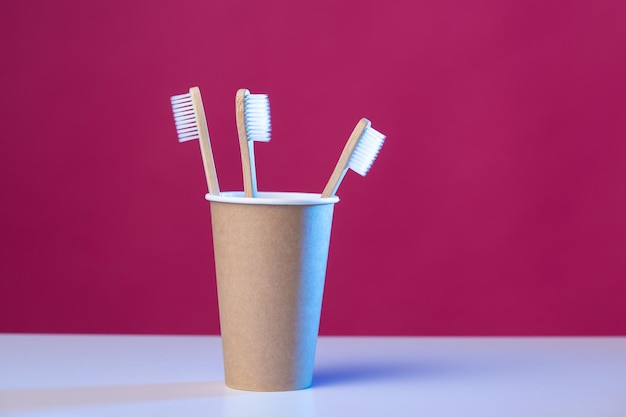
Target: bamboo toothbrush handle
247	151
205	142
342	165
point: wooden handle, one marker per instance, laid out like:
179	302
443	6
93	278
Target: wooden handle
246	147
342	165
205	142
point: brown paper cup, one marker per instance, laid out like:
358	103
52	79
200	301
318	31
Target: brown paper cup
270	258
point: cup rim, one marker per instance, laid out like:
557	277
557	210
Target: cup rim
278	198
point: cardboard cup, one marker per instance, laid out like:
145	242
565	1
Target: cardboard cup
270	257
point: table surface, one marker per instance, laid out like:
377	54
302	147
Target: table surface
89	375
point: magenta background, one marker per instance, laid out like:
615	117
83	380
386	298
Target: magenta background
496	207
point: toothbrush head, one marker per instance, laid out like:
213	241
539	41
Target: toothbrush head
185	117
191	124
366	150
257	117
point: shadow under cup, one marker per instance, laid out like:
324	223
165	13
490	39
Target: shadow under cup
270	259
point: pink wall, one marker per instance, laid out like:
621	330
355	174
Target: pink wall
497	206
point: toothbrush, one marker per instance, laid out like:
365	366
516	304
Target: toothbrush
358	154
253	124
191	124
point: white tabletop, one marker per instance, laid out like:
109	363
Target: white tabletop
62	375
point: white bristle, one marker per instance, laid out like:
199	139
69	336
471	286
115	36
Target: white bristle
366	150
257	117
184	117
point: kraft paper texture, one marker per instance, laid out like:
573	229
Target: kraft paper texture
271	265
